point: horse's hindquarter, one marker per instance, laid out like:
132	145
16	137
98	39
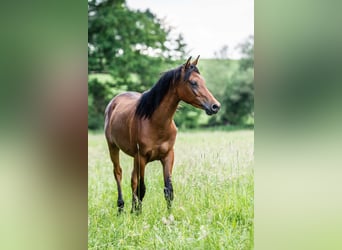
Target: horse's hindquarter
120	127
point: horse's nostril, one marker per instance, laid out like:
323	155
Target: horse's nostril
215	108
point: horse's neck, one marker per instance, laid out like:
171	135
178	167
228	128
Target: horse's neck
163	115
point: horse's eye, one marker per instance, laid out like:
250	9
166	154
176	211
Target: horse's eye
193	83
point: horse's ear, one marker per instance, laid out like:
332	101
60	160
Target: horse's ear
196	61
187	64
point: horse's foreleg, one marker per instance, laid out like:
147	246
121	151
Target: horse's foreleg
137	182
114	155
167	170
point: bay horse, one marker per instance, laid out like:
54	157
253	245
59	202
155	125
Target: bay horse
142	126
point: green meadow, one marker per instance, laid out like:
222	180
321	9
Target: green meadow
213	204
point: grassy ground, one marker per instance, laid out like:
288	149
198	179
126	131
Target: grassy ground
214	196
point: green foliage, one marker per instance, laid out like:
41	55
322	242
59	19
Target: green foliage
187	116
96	103
130	46
213	206
237	97
128	49
101	89
217	72
122	42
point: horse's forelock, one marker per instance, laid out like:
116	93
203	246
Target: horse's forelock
188	72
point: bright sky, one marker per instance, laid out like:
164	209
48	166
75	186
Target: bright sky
206	25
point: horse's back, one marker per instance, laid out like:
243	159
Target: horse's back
119	116
126	98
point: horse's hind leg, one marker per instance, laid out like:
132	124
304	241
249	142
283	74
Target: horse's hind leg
114	155
137	182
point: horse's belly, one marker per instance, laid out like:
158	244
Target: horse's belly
121	129
125	141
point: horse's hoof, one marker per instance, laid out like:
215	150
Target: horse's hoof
169	206
120	210
121	203
137	208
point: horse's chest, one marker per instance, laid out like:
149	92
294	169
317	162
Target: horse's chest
156	144
158	151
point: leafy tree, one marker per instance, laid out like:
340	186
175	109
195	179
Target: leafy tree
239	98
187	116
132	46
238	95
123	42
247	50
97	101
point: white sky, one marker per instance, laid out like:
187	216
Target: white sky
206	25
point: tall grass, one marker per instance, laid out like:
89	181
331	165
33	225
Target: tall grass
213	188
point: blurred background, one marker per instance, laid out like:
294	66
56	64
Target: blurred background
130	43
43	127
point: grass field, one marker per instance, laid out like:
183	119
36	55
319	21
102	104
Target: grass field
213	206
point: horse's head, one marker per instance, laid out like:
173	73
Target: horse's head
192	89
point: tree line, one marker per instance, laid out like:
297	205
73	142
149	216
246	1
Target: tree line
128	49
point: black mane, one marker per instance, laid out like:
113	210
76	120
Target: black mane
151	99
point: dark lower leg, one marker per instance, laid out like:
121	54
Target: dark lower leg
138	185
168	192
136	202
138	196
167	169
114	155
121	202
141	189
117	175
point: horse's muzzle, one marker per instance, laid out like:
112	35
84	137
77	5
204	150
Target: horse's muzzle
212	109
